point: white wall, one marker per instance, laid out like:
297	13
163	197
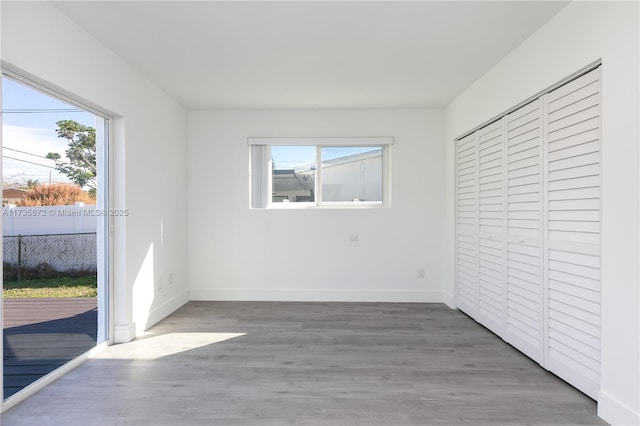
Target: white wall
46	220
580	34
149	154
272	254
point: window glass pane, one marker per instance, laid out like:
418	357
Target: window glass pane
352	173
293	173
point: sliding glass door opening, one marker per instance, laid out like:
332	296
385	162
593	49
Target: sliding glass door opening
55	225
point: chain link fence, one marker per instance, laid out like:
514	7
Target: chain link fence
48	256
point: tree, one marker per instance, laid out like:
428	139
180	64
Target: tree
81	167
55	194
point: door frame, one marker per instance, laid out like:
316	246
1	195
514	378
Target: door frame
105	227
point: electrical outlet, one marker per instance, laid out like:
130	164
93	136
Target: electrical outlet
159	284
354	237
421	272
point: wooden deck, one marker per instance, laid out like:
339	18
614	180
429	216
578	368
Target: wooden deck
40	335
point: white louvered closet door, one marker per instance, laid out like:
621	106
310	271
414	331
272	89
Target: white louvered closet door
467	225
491	235
573	231
528	239
524	258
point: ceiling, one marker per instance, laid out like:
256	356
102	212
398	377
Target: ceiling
324	54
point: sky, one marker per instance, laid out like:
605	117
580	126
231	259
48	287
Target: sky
29	132
288	157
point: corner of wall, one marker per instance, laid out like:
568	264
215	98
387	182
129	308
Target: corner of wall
166	309
615	412
448	299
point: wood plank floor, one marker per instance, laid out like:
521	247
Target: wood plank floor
41	335
271	363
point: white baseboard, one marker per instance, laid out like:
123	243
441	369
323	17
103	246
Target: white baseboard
615	412
124	333
297	295
159	313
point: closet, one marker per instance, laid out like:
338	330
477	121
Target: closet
528	229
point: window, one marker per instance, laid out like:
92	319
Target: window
309	172
293	173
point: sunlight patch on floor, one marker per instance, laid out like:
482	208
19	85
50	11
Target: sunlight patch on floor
151	346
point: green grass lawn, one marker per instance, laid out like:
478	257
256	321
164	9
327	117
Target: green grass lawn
51	287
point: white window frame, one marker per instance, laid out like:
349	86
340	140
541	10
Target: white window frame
261	176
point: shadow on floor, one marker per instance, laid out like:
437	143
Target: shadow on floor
32	351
